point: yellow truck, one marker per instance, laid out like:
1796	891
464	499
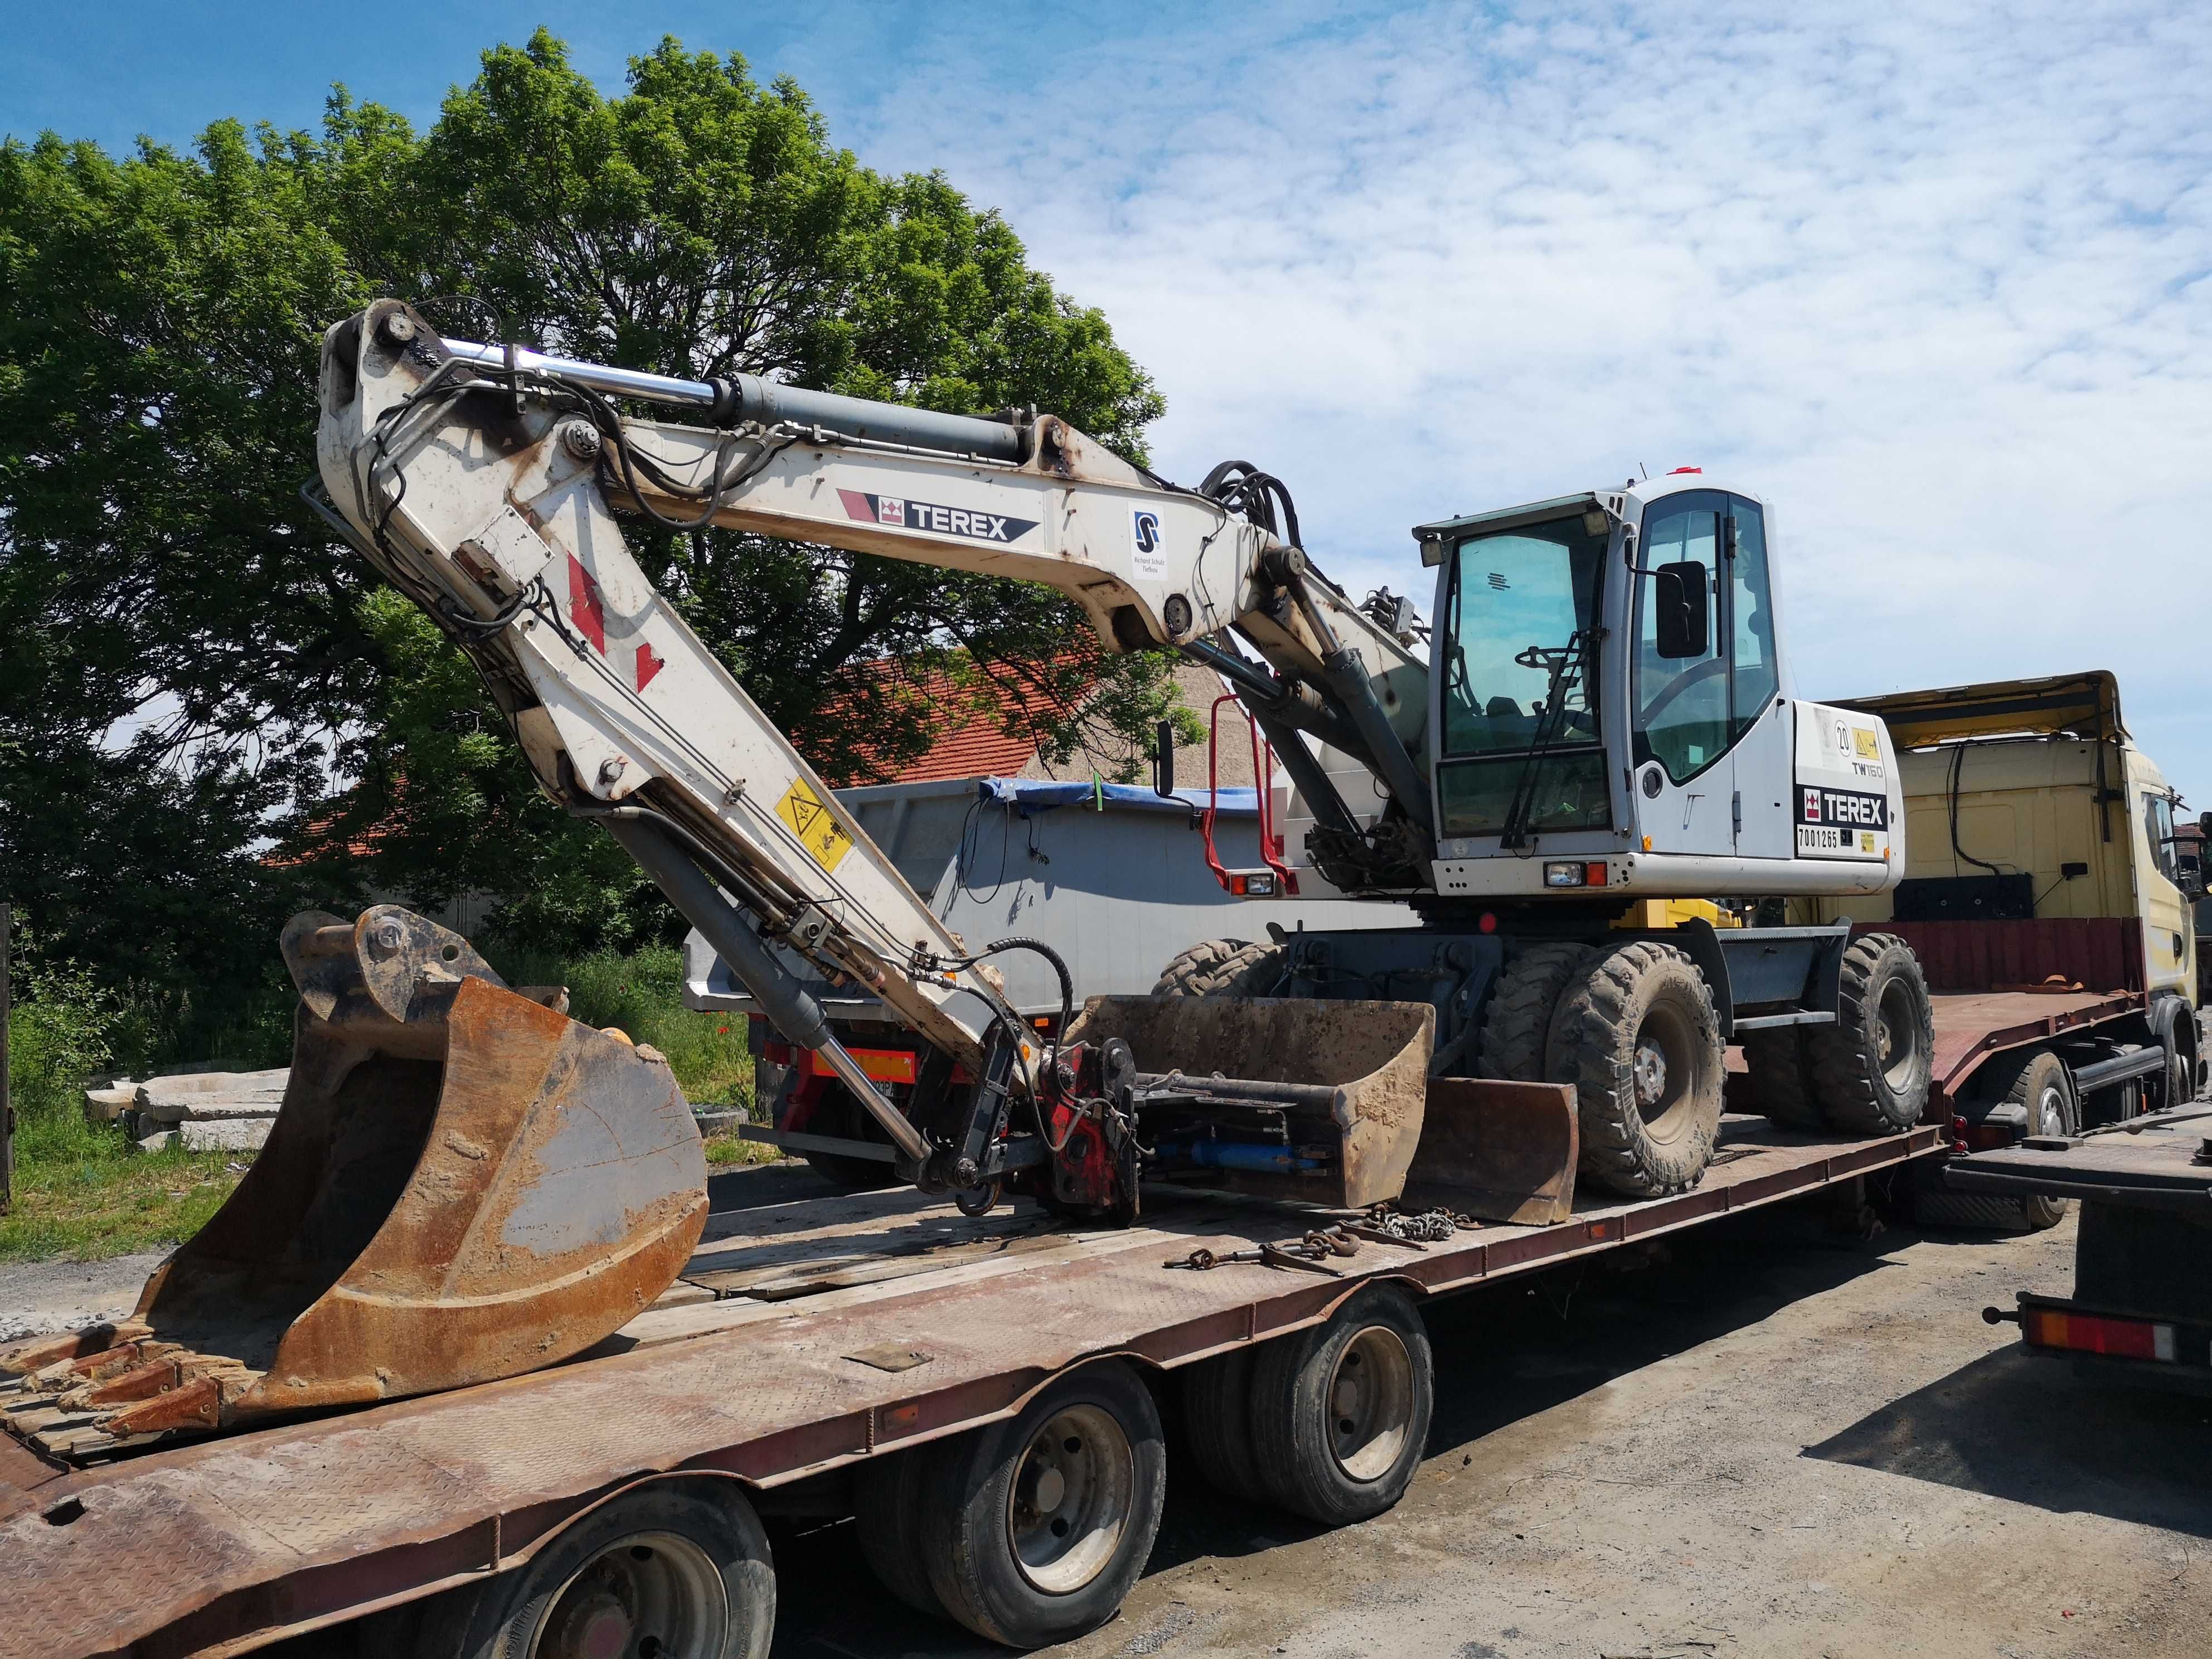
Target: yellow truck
2047	895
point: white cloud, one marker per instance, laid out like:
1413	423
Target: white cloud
1936	282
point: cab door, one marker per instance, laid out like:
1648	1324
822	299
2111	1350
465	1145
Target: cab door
1684	775
1760	722
2168	956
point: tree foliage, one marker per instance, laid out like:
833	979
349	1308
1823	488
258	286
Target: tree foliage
210	715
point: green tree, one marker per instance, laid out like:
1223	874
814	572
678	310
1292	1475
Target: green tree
191	661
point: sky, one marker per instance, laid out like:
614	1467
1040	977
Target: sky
1935	281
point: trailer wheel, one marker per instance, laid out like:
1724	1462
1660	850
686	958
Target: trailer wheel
1517	1025
1639	1038
668	1570
1872	1068
1222	968
1217	1397
1037	1527
2043	1088
1781	1077
1340	1412
890	1492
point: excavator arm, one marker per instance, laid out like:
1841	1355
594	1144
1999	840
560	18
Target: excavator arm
483	482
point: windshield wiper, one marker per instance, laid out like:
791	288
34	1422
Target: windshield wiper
1565	665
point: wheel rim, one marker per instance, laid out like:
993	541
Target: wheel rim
1897	1035
1371	1403
1069	1503
1663	1070
2051	1110
650	1595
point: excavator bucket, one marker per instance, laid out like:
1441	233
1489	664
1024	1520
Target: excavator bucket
463	1183
1288	1098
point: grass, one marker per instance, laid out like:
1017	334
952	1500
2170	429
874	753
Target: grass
83	1191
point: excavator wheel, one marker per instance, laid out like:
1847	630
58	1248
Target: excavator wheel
1639	1038
1872	1069
1781	1078
1517	1027
1222	968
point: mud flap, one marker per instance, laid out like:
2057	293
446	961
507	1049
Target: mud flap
1503	1152
462	1184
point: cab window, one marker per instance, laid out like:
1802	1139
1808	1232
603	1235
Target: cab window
2158	823
1682	702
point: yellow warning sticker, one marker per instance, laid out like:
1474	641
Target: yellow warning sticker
1865	743
815	826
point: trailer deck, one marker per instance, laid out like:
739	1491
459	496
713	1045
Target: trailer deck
836	1329
1971	1025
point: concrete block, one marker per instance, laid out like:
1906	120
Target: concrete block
235	1135
225	1108
171	1099
107	1105
160	1141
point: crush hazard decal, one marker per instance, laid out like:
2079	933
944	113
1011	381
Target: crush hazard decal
815	826
1841	821
931	516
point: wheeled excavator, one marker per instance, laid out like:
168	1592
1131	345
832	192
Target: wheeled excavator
1593	741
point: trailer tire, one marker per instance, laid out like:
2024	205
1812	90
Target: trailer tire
1639	1038
1781	1077
1217	1400
1084	1460
689	1559
1222	968
888	1495
1516	1025
2042	1087
1872	1069
1340	1412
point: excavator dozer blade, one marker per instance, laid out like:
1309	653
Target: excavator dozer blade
462	1184
1501	1151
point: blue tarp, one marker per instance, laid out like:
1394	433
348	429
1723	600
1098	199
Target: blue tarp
1042	794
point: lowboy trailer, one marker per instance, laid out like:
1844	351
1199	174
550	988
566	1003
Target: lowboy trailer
818	1355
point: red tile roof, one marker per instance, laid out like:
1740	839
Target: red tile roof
979	746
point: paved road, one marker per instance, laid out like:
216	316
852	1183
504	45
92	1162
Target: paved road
1776	1443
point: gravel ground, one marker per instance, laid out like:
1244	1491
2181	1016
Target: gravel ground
1776	1443
38	1296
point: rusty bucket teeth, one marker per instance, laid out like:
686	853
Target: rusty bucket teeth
462	1184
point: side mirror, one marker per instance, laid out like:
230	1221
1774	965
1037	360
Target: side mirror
1163	758
1683	626
2204	823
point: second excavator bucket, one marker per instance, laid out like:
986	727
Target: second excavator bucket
462	1184
1288	1096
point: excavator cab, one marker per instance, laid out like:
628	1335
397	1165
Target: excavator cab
463	1183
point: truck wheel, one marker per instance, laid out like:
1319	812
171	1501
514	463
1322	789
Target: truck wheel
838	1114
889	1492
1222	968
1340	1414
1639	1040
667	1568
1217	1398
1518	1021
2044	1088
2179	1076
1035	1528
1871	1069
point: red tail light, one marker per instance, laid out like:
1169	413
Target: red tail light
2127	1339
